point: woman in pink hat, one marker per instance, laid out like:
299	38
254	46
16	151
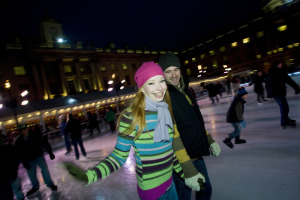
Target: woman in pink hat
147	126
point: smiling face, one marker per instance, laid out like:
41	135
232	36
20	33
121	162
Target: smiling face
172	75
155	88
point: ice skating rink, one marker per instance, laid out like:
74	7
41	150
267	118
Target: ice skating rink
267	167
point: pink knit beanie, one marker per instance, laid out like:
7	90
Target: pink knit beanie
146	71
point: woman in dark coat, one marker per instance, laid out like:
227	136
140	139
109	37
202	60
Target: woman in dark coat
73	127
258	81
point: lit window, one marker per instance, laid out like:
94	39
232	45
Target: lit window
290	46
202	56
124	66
194	59
234	44
222	49
258	56
81	69
67	68
246	40
186	62
205	67
296	44
269	52
113	67
212	52
19	70
275	51
215	64
282	28
199	67
102	68
259	34
188	72
280	49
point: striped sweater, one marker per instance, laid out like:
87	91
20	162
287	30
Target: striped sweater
154	161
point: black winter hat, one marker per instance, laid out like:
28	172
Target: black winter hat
168	60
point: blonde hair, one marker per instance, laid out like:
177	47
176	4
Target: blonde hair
137	112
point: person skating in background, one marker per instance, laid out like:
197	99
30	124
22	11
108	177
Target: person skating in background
212	92
147	126
258	81
93	123
277	79
62	122
190	124
219	88
235	117
235	85
29	146
73	128
110	118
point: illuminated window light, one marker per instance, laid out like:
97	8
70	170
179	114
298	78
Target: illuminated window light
259	34
234	44
275	51
222	49
269	52
258	56
296	44
282	28
290	46
199	67
24	93
246	40
186	62
202	56
25	102
194	59
225	66
110	89
1	105
199	75
280	49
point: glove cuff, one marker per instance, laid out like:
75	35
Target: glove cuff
210	139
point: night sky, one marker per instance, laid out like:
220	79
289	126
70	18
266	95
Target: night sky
156	24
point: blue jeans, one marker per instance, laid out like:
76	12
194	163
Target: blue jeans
17	188
237	130
184	192
67	142
75	142
40	161
284	110
170	194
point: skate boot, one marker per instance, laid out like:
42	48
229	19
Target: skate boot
239	141
290	124
228	142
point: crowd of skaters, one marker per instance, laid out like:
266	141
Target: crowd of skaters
28	144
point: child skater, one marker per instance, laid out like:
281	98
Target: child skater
235	117
147	126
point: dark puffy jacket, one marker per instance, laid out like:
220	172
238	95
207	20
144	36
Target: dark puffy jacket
258	84
73	127
276	82
30	148
236	110
190	122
